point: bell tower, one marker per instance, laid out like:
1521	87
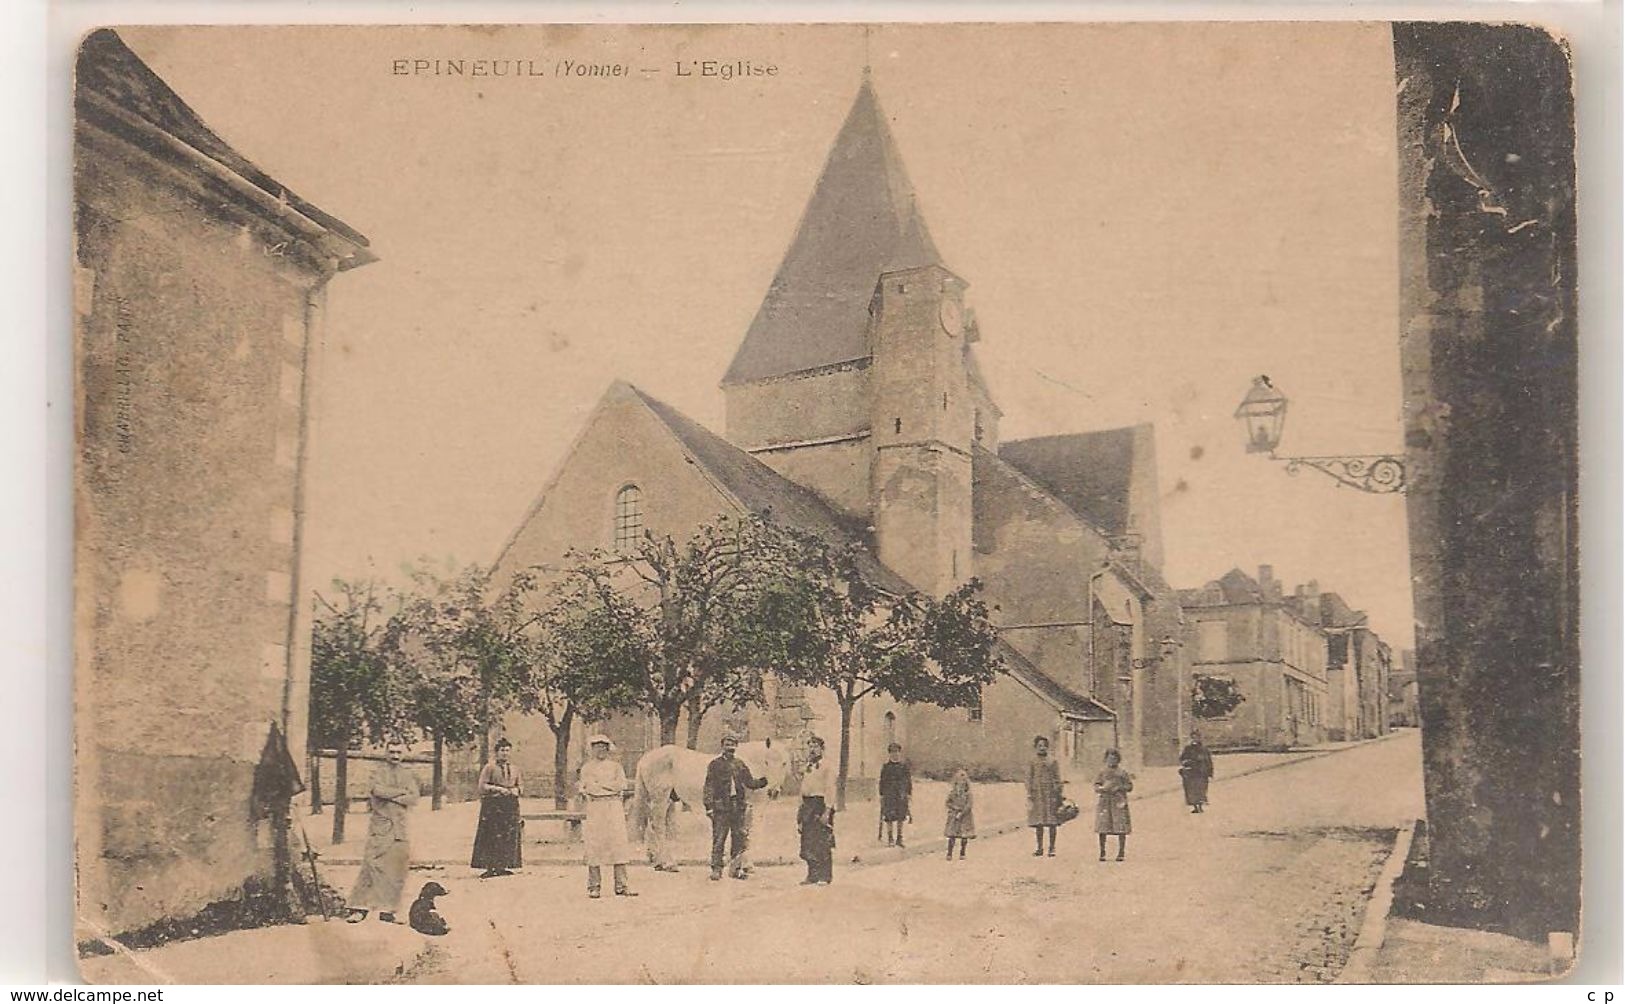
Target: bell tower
922	427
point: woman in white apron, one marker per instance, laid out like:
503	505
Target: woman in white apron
602	791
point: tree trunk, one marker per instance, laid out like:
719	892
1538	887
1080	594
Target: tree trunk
561	760
437	789
485	724
695	716
315	783
668	724
341	788
846	751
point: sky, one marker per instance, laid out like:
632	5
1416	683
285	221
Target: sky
1148	216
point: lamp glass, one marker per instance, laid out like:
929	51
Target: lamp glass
1263	413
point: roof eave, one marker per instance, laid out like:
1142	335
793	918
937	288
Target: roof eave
343	252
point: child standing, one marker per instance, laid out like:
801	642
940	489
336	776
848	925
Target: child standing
961	815
1111	811
896	788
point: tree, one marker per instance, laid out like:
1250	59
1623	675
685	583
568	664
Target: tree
1214	696
467	628
355	690
442	697
582	668
839	631
683	615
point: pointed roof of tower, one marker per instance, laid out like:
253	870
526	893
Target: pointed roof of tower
861	221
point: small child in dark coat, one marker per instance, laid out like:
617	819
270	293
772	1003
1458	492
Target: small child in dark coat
423	917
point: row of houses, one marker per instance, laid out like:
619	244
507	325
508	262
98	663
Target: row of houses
1308	668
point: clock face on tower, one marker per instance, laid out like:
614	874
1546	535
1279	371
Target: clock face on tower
951	317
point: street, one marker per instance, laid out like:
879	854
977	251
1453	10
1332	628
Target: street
1269	885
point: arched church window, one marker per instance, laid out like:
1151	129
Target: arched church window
628	518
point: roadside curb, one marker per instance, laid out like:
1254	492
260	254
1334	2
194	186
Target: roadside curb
1374	930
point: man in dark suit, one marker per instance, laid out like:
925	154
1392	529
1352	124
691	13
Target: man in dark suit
727	780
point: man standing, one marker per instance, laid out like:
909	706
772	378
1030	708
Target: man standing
896	788
727	780
602	790
387	854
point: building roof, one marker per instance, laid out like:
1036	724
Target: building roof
765	492
1063	699
1233	587
1091	472
978	382
1336	613
109	73
861	221
991	475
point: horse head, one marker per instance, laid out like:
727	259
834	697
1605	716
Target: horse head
769	761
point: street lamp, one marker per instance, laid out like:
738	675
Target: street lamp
1263	413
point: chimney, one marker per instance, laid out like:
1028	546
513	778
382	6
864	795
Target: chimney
1267	586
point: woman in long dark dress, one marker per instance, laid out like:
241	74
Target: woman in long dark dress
1195	770
496	842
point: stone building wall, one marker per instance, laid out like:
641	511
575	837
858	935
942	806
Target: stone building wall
1489	356
197	305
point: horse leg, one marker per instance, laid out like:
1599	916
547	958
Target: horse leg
668	854
655	827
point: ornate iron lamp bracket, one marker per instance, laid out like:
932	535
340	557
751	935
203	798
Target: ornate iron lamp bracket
1380	475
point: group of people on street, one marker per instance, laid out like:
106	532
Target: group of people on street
602	790
1047	807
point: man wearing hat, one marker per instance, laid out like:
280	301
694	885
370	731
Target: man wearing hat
727	779
602	790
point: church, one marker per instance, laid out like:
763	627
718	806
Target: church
856	410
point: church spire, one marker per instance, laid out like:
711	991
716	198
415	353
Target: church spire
861	221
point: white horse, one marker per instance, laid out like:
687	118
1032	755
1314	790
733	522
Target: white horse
670	775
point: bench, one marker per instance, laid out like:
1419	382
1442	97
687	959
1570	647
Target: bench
571	819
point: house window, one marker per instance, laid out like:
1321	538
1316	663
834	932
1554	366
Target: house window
1337	650
975	712
628	519
897	425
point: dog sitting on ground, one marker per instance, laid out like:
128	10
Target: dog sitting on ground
423	917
